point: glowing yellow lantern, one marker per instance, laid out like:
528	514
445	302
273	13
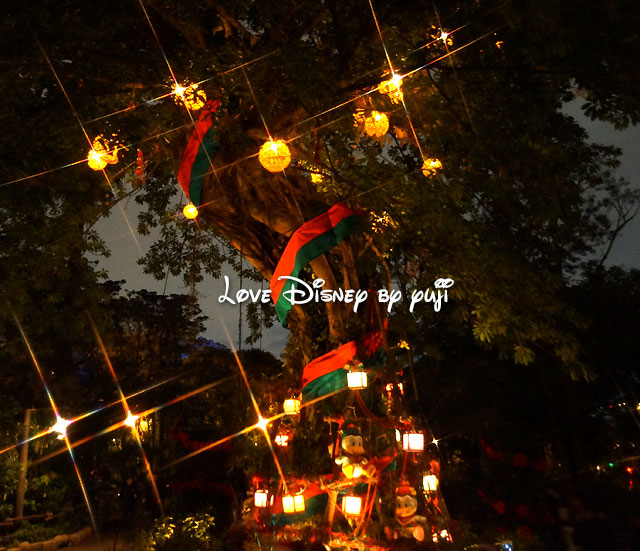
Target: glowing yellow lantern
261	498
190	211
430	167
430	483
376	124
351	506
100	156
292	406
391	89
357	379
274	156
293	503
413	441
317	178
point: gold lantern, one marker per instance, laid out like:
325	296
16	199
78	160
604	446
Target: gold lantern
376	124
261	498
351	506
413	441
430	483
392	89
430	167
292	406
293	503
100	156
357	379
274	155
190	211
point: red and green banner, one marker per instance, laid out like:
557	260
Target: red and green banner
326	374
308	242
196	161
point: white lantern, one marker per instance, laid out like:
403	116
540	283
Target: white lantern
357	379
293	503
351	505
292	406
430	483
413	441
261	498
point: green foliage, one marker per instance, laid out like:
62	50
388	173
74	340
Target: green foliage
193	532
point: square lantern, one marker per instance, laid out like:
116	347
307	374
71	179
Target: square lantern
293	504
351	505
261	498
413	441
430	483
292	406
357	379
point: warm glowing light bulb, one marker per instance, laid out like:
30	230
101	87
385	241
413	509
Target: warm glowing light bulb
190	211
435	441
96	161
444	35
376	124
396	80
60	427
131	419
262	423
178	90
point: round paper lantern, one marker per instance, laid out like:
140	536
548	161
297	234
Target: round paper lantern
274	156
190	211
430	167
376	124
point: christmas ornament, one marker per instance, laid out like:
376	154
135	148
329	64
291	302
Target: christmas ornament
430	167
352	460
410	524
274	156
376	124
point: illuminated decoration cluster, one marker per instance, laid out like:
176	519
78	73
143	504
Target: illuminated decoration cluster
100	156
191	96
431	167
376	124
190	211
274	156
392	88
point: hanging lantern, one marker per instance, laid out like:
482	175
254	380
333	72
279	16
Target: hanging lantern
190	211
430	483
391	89
292	406
376	124
430	167
413	441
100	156
274	156
293	503
351	506
261	498
357	379
192	98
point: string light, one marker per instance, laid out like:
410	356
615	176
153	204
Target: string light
60	427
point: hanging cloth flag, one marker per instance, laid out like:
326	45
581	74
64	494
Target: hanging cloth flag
309	241
196	161
326	374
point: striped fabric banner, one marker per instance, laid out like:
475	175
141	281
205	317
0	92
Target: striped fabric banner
309	241
196	161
